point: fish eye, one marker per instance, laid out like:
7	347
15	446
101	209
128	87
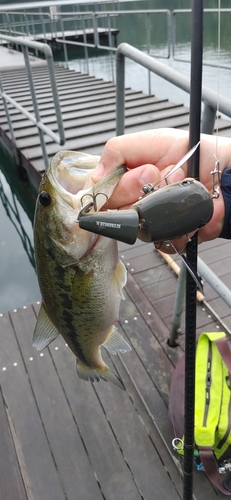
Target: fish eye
44	198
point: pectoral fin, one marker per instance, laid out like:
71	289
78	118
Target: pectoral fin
45	332
120	277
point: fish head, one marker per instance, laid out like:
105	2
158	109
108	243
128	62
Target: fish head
65	189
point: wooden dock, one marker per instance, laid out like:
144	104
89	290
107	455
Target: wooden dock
78	35
55	38
62	438
88	110
66	439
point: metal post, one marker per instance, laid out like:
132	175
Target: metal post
222	290
208	119
96	34
15	149
43	25
85	44
148	48
120	92
173	33
35	104
178	306
190	324
169	31
64	44
27	25
110	45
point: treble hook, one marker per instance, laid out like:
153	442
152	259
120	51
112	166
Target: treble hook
91	204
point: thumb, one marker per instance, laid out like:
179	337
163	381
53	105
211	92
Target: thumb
129	188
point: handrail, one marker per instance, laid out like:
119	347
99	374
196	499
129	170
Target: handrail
34	118
57	25
209	97
188	11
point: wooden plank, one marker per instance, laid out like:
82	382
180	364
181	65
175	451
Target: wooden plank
88	131
205	320
109	464
84	103
67	448
92	143
214	253
127	252
146	309
42	90
220	266
43	79
20	121
70	96
141	264
156	424
141	460
48	115
34	454
147	346
83	120
11	482
150	475
103	96
72	92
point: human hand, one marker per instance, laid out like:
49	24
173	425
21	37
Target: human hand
149	155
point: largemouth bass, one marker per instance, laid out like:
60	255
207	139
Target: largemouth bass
80	275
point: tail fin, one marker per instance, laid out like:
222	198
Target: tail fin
87	373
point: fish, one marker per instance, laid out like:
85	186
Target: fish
80	274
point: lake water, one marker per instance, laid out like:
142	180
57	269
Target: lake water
17	275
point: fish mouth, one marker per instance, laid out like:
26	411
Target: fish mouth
70	171
71	177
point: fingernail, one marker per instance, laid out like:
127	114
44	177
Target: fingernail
147	176
98	172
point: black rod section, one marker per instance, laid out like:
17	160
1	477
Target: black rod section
190	321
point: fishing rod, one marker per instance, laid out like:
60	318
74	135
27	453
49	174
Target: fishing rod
150	220
191	250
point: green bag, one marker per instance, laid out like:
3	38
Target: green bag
212	409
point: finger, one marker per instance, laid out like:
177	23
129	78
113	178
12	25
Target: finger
160	147
129	188
214	227
177	176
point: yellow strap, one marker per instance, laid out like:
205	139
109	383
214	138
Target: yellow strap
208	393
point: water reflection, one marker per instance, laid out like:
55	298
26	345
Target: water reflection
18	280
12	211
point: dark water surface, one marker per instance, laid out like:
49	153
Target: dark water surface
18	280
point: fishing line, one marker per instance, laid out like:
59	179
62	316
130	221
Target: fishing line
216	173
218	68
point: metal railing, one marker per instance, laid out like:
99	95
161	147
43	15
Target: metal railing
209	97
58	27
34	118
177	12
